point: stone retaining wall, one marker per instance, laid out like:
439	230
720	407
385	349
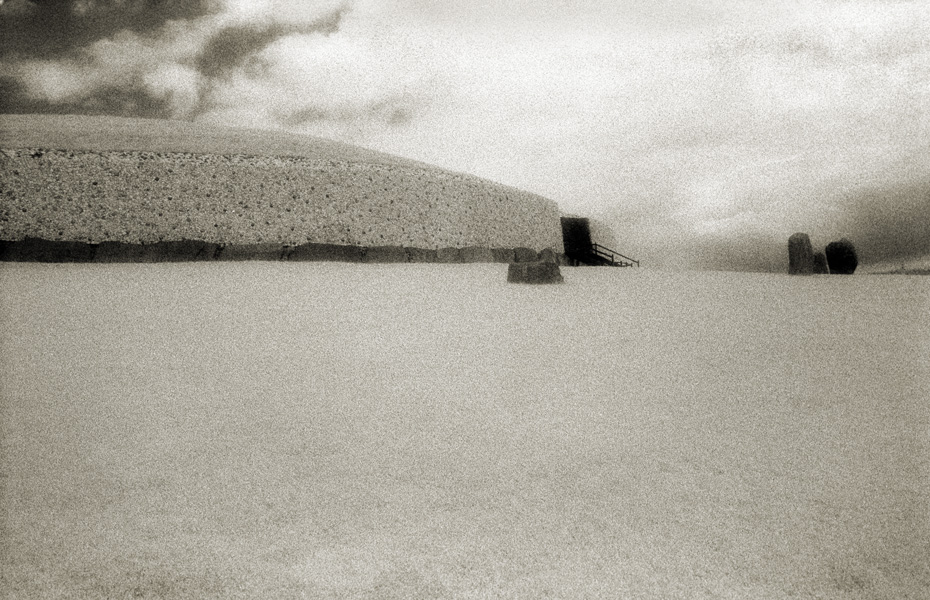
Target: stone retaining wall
146	197
59	251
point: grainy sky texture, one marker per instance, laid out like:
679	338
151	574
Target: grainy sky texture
705	133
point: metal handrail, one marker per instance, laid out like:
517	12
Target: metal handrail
612	254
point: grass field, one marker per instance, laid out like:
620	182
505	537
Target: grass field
323	430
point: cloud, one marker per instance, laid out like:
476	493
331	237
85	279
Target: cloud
229	47
54	28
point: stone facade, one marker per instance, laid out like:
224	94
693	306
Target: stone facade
148	197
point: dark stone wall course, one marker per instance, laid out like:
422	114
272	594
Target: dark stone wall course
327	252
385	254
422	255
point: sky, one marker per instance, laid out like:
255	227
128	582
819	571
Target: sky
704	133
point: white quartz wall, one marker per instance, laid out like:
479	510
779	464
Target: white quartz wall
146	197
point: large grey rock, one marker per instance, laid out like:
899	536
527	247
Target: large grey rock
385	254
502	255
841	257
179	251
421	255
263	251
472	254
800	255
820	264
326	252
525	255
34	249
534	272
120	252
449	255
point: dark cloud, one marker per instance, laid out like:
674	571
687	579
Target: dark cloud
123	101
51	29
232	46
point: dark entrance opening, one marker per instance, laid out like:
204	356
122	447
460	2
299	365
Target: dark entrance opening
582	250
576	237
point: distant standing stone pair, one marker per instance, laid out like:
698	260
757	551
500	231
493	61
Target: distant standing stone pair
839	258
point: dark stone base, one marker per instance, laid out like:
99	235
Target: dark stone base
39	250
327	252
270	251
421	255
385	254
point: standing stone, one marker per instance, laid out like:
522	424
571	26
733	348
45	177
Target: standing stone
800	255
534	272
820	264
841	257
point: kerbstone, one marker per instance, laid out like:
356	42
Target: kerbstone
473	254
534	272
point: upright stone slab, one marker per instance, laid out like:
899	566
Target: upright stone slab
534	272
820	264
841	257
800	255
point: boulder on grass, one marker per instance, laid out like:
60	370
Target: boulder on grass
820	264
534	272
473	254
524	255
841	257
800	255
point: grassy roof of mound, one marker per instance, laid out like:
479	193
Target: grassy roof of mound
108	134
